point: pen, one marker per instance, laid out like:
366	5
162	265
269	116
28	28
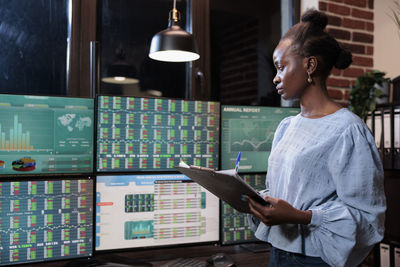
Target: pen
237	162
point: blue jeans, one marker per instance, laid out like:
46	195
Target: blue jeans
280	258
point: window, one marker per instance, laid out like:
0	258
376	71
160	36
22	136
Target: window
127	27
243	36
33	42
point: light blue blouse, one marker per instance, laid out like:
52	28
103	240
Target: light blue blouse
330	166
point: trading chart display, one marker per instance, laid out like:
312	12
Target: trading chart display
45	220
153	210
249	130
41	134
155	134
234	225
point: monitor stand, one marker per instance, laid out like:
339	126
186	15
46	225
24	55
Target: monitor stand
95	261
256	247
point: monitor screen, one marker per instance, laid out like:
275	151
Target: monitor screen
45	220
234	225
148	134
249	130
41	134
135	211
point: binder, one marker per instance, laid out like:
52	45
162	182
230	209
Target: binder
396	256
378	123
227	185
384	253
396	132
387	139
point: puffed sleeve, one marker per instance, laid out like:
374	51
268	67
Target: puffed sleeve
353	222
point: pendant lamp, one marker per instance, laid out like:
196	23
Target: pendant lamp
174	44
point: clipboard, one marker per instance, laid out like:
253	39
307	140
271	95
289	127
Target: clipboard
228	186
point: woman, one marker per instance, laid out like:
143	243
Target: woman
325	179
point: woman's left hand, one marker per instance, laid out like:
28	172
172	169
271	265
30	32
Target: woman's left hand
278	212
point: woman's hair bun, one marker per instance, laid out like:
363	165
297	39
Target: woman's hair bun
316	18
343	59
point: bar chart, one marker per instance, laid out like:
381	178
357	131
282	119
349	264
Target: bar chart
18	140
27	132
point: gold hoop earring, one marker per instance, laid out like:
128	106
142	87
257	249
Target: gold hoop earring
309	79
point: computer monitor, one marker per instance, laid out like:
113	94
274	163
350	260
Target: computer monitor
148	210
44	220
43	134
234	225
150	134
249	130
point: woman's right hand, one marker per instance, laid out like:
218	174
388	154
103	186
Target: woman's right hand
278	212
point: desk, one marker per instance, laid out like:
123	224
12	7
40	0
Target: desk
159	256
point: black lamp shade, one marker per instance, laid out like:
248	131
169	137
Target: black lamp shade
174	45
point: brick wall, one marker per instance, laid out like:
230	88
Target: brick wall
238	71
351	22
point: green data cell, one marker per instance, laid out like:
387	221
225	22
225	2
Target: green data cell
171	134
130	102
172	105
32	237
49	187
199	107
49	236
67	203
198	121
185	121
171	149
32	254
105	102
171	120
66	234
33	219
66	250
49	253
185	106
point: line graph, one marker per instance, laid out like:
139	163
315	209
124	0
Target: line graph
251	135
254	143
45	228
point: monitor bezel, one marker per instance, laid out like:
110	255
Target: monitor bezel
90	177
220	138
103	251
148	171
59	174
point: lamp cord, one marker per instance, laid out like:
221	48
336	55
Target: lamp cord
174	4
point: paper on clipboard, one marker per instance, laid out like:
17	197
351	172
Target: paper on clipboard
227	185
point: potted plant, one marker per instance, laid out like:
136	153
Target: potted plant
364	93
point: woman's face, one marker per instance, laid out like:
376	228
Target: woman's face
291	76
